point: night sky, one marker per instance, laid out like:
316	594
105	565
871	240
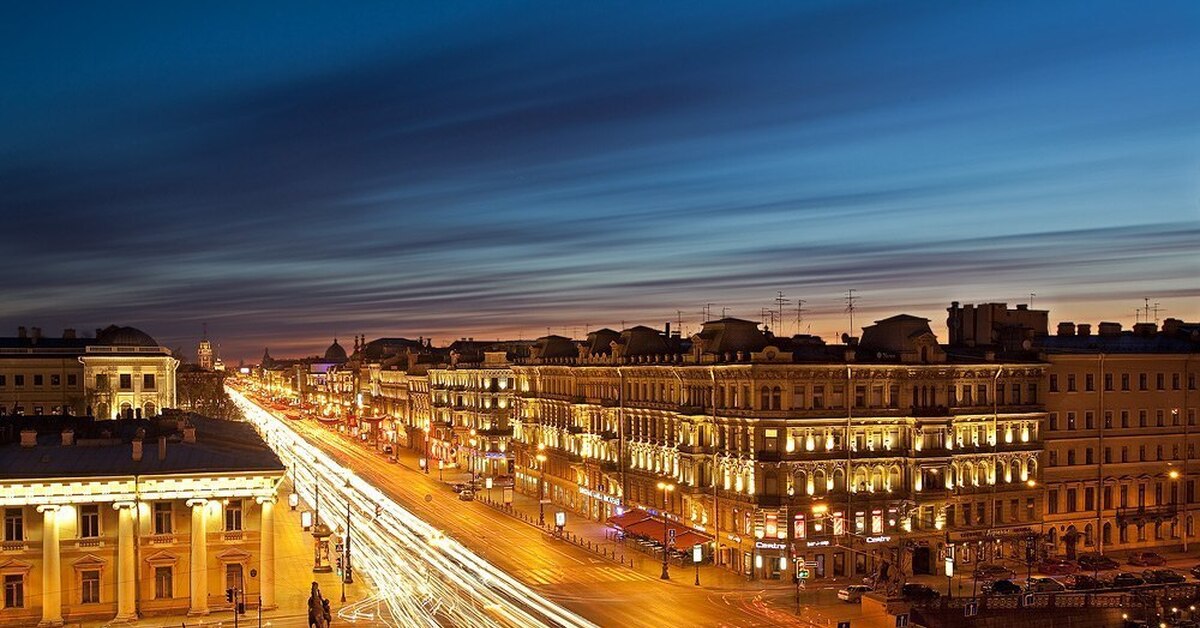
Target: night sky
287	172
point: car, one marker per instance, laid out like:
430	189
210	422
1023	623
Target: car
459	487
466	495
1124	579
1005	587
853	592
1096	562
992	571
1146	559
1057	566
916	591
1045	585
1082	582
1162	576
1196	571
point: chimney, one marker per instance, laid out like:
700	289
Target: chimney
1022	306
1083	329
1171	326
21	332
68	437
1110	329
1066	328
162	448
35	334
68	334
1145	329
189	433
28	438
137	450
667	329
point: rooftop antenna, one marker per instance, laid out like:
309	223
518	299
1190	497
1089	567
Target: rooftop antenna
850	308
679	322
1157	309
706	311
1031	295
779	303
799	313
723	312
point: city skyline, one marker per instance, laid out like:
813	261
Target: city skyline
475	171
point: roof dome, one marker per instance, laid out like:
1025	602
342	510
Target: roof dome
335	352
124	337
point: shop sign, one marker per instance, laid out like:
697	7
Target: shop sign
823	543
600	496
769	546
878	539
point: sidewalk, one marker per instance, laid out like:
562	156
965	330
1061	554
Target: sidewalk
293	582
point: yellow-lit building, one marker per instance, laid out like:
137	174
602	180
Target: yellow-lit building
121	372
112	520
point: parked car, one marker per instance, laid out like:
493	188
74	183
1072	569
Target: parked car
1082	582
853	593
1125	579
1162	576
1057	566
1005	587
1045	585
459	487
1096	562
1147	559
466	495
992	571
1196	571
916	591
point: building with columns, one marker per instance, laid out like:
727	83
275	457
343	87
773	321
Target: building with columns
115	520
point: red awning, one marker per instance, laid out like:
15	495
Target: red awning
328	419
628	519
375	419
652	529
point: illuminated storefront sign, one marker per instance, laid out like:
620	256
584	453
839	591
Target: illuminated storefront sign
824	543
878	539
769	546
600	496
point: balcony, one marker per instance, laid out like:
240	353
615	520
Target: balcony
576	429
929	411
1146	513
608	435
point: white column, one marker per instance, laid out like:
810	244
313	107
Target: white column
51	571
266	569
126	564
199	570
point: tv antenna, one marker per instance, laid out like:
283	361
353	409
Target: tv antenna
780	301
799	313
1031	295
850	298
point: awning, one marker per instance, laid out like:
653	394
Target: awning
328	419
653	530
633	516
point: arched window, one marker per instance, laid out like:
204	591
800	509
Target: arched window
839	480
150	410
1087	534
1052	536
126	410
819	482
776	398
765	398
1106	533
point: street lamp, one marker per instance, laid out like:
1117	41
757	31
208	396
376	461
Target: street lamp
666	489
425	460
293	500
471	461
541	460
487	482
697	556
441	465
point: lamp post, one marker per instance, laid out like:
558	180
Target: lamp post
487	482
425	460
347	577
1174	475
541	460
441	466
697	556
666	489
471	460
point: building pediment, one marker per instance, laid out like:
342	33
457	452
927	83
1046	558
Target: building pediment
89	561
15	566
162	559
234	555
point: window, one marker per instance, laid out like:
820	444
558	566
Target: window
1087	456
1053	383
1052	502
1142	418
818	397
1108	497
1124	381
1070	457
1053	421
1071	383
1124	418
126	381
18	380
981	394
1089	382
1032	390
1159	418
1089	499
860	396
1016	394
1089	420
233	515
148	381
1124	454
39	380
163	589
101	382
1141	453
1107	455
1174	381
162	518
1071	500
1053	458
1029	514
1070	420
1108	419
1160	381
14	591
14	524
90	587
998	512
1108	382
89	521
72	380
1143	382
3	380
1124	496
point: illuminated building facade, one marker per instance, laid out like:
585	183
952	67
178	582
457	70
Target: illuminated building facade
119	519
121	372
471	410
1121	436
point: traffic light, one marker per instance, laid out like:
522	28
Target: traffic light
339	565
241	608
229	595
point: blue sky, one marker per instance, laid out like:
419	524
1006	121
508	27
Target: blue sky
286	174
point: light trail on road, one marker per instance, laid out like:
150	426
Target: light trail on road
423	577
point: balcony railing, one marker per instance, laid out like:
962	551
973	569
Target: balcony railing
1145	513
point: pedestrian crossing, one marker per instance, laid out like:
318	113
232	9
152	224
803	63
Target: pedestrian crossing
582	575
